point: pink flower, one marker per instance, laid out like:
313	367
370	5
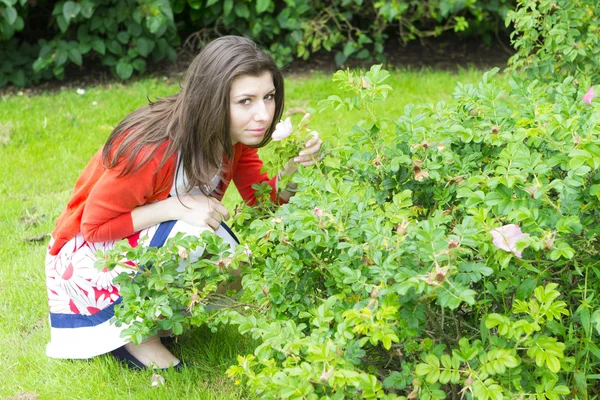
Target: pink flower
318	212
589	96
506	238
282	130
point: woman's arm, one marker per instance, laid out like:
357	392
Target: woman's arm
196	210
117	206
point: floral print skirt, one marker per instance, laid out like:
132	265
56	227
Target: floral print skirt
82	298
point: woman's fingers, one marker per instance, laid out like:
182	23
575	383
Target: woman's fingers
206	211
214	222
310	155
220	209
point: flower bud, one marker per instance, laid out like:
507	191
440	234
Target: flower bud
440	275
326	375
401	228
225	262
304	121
247	251
183	254
420	174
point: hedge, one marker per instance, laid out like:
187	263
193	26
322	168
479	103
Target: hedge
44	40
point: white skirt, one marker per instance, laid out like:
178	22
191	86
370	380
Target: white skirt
82	298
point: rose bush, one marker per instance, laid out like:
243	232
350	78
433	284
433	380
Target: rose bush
454	252
451	251
556	38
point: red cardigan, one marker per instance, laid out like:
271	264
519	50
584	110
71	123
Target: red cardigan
101	204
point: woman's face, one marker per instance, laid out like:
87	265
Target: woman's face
252	106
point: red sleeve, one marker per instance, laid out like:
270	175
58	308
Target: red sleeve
107	213
247	173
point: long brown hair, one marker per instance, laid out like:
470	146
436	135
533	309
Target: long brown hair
196	120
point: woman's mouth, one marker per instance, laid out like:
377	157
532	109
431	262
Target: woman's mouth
258	131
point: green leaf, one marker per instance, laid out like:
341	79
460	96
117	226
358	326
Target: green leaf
62	23
423	369
10	15
242	10
262	6
99	47
211	2
144	46
61	57
139	64
87	8
154	23
227	7
166	311
18	78
553	363
596	320
75	56
196	4
124	70
123	37
71	10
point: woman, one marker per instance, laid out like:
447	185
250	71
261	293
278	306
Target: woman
164	169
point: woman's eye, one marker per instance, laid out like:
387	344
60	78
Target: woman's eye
270	97
245	102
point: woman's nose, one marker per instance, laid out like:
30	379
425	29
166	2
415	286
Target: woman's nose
262	112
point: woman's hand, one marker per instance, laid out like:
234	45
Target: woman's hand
201	210
194	209
310	155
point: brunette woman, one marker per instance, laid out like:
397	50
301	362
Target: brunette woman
164	169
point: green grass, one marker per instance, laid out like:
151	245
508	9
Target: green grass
45	141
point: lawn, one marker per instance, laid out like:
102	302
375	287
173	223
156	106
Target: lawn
45	141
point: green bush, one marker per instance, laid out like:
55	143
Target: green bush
121	34
125	35
556	38
451	249
381	278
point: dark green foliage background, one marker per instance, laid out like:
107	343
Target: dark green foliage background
42	39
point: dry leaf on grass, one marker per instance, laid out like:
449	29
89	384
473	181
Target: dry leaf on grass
32	220
37	238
